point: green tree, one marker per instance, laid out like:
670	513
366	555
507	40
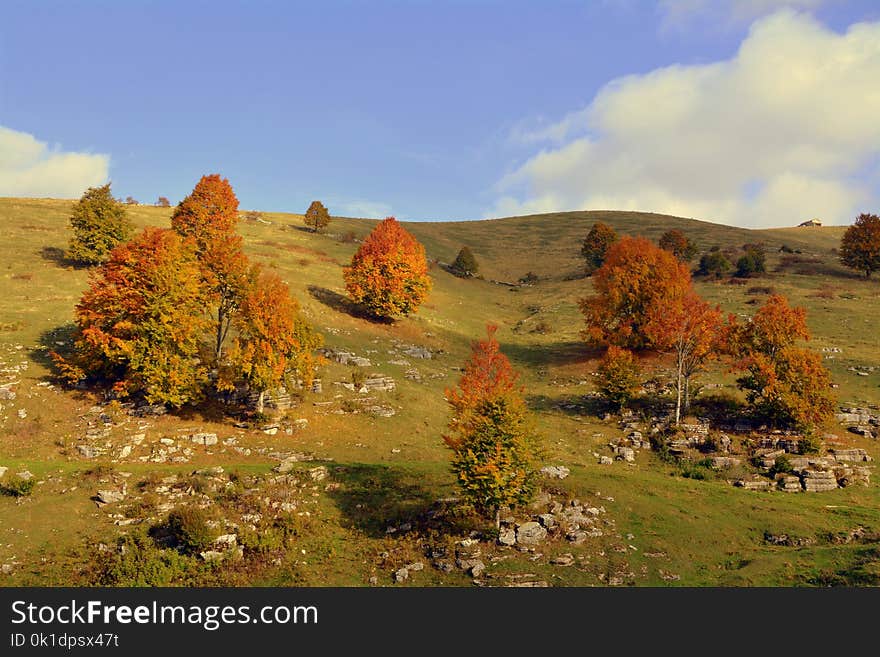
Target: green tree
465	263
316	217
495	451
714	264
596	245
752	262
618	376
99	224
860	245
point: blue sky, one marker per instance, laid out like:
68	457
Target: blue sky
449	110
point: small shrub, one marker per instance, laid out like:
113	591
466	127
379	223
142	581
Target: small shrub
348	237
15	486
190	529
809	445
136	561
529	279
781	466
761	289
358	376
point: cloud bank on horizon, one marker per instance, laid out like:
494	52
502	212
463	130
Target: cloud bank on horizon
784	131
29	167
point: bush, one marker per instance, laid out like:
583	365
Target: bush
529	279
618	376
99	224
190	529
15	486
781	466
752	262
714	264
136	561
809	445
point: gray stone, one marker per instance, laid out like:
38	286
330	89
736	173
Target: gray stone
753	483
530	533
418	352
566	559
576	536
477	568
25	474
6	394
211	555
627	454
605	460
850	455
719	462
110	496
206	439
817	481
507	536
87	451
401	575
547	520
320	473
555	471
3	470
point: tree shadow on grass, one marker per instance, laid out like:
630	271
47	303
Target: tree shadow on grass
568	404
373	497
560	353
343	304
57	256
58	340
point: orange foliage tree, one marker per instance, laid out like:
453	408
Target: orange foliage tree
785	383
690	328
140	321
678	244
495	452
388	275
274	345
208	217
860	245
636	276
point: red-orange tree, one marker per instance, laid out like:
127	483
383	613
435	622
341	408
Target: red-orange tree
636	276
678	244
786	384
860	245
388	275
140	321
495	453
208	218
689	328
274	345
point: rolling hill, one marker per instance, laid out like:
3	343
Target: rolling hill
366	513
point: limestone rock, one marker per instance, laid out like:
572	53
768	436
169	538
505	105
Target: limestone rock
507	536
87	451
206	439
555	471
530	533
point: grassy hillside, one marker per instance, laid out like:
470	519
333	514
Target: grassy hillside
659	527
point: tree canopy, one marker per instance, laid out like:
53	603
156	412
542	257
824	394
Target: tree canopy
99	224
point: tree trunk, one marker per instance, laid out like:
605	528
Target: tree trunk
261	401
498	518
678	386
687	394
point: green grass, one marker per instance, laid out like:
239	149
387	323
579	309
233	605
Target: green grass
392	469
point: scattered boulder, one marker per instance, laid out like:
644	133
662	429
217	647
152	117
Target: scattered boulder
566	559
3	470
817	481
418	352
87	451
555	471
605	460
110	496
721	462
753	483
507	536
206	439
530	533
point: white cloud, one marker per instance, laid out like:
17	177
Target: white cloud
28	167
785	130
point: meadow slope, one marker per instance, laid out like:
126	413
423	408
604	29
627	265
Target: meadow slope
384	472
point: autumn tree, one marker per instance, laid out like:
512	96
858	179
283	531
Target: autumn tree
130	200
635	277
207	218
690	328
678	244
465	263
495	452
785	383
316	217
163	202
618	376
274	345
99	224
388	275
860	245
596	245
140	321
